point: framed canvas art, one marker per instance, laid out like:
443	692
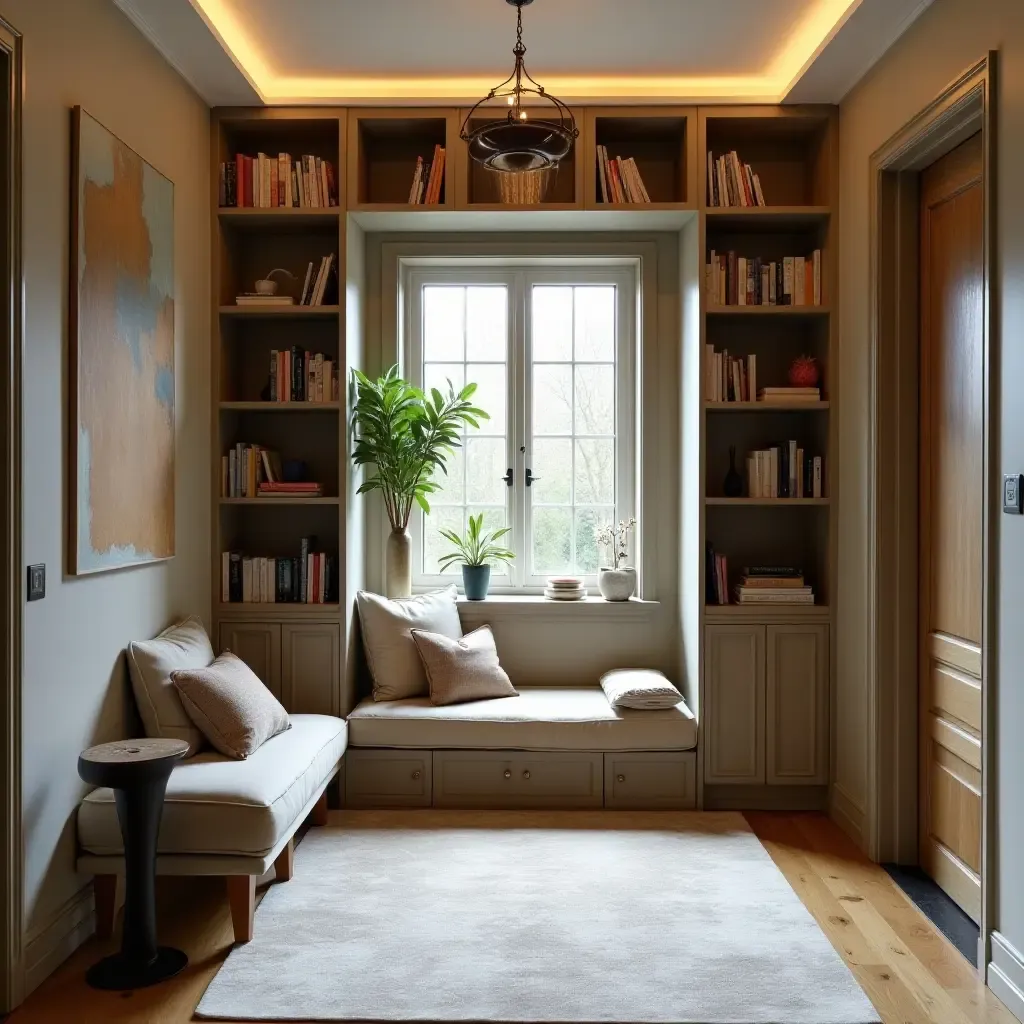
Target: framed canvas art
121	386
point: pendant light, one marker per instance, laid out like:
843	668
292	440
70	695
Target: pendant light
526	138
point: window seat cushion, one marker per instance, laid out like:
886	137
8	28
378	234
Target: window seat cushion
540	718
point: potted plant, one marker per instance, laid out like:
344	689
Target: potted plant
406	435
616	582
476	551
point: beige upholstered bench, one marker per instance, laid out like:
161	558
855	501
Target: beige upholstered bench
224	817
548	747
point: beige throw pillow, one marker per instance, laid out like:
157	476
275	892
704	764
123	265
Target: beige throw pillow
639	688
462	670
386	626
231	706
150	664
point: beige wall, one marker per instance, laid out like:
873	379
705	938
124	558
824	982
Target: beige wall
75	687
949	37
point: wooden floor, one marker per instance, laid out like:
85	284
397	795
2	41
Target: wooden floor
908	969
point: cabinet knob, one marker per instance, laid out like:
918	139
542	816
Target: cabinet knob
620	778
508	774
416	775
526	774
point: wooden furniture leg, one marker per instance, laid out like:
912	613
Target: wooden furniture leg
242	900
105	890
318	816
285	863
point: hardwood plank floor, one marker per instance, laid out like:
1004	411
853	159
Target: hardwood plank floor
911	973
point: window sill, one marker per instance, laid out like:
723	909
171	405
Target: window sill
526	605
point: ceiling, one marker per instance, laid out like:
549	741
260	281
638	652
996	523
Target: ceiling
453	51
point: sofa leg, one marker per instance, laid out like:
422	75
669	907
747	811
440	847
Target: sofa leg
284	866
242	900
105	890
318	816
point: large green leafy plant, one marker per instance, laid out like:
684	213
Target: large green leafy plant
407	435
478	547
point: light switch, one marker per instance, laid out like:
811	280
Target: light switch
36	582
1013	486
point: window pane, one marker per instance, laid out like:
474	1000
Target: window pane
486	323
589	556
453	487
595	324
443	323
595	399
552	463
490	394
486	459
552	540
552	399
595	472
552	324
434	545
437	375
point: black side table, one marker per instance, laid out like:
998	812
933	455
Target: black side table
137	771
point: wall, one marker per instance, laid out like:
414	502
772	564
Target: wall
75	686
949	37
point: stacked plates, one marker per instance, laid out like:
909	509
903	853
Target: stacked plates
565	588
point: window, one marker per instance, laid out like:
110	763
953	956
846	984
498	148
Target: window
551	349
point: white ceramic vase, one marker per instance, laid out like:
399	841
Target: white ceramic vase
617	584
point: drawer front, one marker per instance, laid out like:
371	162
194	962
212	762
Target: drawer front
651	781
387	778
498	779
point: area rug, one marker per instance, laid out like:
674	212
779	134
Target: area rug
661	918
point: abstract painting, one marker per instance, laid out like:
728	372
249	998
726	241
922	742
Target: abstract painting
121	386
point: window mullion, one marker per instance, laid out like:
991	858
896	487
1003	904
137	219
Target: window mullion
520	353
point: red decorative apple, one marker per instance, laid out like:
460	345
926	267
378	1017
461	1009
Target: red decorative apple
804	372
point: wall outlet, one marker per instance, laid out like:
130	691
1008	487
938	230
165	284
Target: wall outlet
36	582
1013	494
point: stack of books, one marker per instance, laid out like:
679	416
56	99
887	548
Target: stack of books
427	179
784	471
256	299
268	182
250	471
288	489
716	583
565	588
302	376
773	584
741	281
620	179
789	395
311	577
732	182
729	379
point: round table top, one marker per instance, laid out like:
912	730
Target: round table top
134	751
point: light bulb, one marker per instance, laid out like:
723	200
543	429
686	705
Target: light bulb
511	101
522	115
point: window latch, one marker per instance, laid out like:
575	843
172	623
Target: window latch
530	478
508	477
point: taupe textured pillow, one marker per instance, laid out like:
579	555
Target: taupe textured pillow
639	688
230	705
462	670
386	626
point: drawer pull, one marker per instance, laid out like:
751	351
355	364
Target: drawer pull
508	774
416	774
526	774
620	778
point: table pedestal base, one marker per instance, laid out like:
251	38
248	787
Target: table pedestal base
119	972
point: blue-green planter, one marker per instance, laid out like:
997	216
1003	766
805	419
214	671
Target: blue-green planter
475	580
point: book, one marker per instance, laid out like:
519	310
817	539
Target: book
416	175
768	597
253	299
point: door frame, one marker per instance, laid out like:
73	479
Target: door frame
963	108
12	344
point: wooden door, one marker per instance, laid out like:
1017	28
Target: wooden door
951	521
258	644
734	704
796	705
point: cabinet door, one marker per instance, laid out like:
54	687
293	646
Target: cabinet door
258	644
797	705
311	667
734	704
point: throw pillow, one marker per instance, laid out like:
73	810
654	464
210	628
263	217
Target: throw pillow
639	688
230	705
462	670
150	664
387	637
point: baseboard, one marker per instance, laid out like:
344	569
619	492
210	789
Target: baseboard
54	941
1006	975
847	814
765	798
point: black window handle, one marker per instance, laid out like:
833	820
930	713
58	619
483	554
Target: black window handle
530	478
508	477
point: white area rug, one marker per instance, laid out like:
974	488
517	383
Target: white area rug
523	917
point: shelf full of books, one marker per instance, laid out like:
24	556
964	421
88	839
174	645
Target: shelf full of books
302	376
732	182
308	577
319	289
428	179
734	280
620	179
254	471
765	585
263	181
784	471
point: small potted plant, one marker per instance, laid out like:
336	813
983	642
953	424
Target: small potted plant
616	582
476	551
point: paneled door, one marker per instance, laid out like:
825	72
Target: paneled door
951	516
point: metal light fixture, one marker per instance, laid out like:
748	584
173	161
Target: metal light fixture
524	139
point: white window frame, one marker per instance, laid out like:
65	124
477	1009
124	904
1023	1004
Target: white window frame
520	275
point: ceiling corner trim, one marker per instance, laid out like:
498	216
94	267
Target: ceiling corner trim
810	40
233	41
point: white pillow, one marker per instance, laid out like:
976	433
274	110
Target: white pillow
387	637
150	664
639	688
